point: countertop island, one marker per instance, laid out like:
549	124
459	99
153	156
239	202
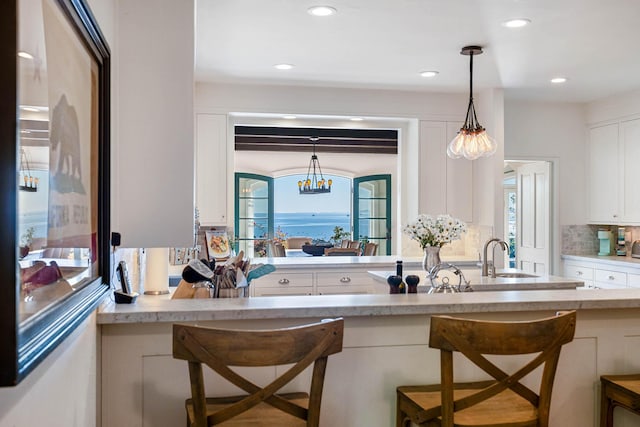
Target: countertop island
385	345
508	282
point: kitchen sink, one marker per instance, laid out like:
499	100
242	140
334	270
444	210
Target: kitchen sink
515	275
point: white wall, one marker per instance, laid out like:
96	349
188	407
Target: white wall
62	390
400	108
614	107
554	132
222	98
547	131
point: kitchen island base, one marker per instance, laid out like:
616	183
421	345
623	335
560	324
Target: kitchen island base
142	385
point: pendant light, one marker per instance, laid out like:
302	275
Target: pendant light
472	141
313	185
28	182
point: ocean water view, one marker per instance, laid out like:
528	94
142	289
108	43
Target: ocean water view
309	224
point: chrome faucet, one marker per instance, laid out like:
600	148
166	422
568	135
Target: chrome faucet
505	247
485	261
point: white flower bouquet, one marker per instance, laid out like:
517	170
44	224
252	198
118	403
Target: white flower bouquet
430	231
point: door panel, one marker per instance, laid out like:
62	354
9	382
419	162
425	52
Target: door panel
533	182
372	210
253	213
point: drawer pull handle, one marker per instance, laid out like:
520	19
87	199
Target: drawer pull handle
345	279
283	281
579	273
611	278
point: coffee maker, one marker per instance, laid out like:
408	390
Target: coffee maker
621	247
606	242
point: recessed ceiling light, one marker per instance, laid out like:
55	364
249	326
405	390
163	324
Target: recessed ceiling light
289	117
284	66
428	73
517	23
321	11
356	119
26	55
558	80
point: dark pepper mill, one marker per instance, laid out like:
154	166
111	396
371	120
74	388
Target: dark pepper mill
403	287
394	284
412	283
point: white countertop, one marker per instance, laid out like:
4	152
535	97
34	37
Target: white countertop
160	308
619	261
372	262
329	262
479	283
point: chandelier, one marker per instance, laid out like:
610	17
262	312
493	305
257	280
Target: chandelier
27	181
313	185
472	141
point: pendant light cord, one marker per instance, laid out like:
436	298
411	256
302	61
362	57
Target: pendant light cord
471	120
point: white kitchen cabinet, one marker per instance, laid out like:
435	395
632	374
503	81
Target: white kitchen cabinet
629	156
612	173
605	273
153	148
580	272
211	168
459	181
633	280
344	282
446	185
283	283
603	174
333	281
610	279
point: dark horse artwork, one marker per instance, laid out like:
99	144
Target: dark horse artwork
65	141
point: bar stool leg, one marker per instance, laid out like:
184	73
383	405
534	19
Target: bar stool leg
606	408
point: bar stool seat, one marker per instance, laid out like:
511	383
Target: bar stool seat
618	390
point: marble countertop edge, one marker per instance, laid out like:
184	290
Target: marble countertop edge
622	261
149	310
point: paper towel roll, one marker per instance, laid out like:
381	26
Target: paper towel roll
156	277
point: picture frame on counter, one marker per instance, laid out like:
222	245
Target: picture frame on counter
54	73
218	244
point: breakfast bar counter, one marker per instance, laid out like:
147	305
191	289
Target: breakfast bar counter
385	345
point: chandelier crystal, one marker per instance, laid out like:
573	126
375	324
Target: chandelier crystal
472	141
312	184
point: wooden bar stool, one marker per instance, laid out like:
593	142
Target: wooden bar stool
618	390
503	401
262	406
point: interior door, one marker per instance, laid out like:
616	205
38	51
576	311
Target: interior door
372	211
253	213
533	183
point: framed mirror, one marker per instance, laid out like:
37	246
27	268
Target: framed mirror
54	184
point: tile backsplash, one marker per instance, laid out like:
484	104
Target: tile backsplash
469	245
583	239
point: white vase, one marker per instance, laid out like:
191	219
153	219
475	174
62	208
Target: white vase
431	258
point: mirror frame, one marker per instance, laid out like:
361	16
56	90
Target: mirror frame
25	345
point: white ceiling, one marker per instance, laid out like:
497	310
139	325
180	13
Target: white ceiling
386	43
